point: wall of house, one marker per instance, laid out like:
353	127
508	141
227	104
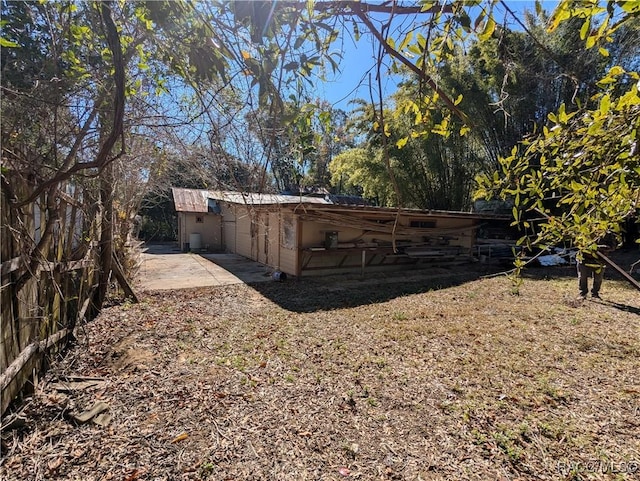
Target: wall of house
288	240
465	235
314	234
279	238
274	240
244	241
268	239
209	226
262	237
455	232
271	239
228	227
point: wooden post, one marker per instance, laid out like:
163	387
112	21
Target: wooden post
122	280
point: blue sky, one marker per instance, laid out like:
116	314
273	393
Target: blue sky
359	60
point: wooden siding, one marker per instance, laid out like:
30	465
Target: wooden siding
288	232
421	239
274	240
229	228
243	232
262	233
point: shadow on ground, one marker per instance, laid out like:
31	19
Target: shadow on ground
311	294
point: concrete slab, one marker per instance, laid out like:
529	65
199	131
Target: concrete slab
165	267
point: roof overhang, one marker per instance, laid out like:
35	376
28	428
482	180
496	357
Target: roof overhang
198	201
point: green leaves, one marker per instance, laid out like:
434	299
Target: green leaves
7	43
588	180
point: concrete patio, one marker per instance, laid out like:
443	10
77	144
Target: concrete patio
165	267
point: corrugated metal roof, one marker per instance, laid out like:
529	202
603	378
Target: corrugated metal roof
189	200
194	200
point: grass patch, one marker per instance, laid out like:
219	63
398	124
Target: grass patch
465	382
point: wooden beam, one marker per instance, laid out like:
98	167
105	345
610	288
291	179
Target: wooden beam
619	270
11	265
27	353
17	263
122	280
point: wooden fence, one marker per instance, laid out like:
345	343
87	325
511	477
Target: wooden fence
48	283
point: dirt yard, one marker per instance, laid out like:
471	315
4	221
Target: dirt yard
329	380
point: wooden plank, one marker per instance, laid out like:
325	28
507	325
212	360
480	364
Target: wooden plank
16	263
116	268
16	366
619	270
11	265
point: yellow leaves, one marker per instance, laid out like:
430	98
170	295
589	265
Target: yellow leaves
605	104
586	26
560	119
489	28
560	14
179	437
376	128
615	71
245	55
612	76
516	214
630	6
4	43
406	40
562	115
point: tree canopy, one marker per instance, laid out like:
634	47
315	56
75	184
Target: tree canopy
230	85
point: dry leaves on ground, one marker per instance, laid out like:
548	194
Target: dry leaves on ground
325	380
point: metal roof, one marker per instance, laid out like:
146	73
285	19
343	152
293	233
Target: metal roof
194	200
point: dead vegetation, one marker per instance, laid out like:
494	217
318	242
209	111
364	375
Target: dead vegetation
465	382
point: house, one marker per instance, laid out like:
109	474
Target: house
305	235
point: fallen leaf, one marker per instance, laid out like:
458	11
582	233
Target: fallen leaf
344	471
78	453
180	437
134	475
55	464
102	419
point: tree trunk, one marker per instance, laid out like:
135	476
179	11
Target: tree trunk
106	236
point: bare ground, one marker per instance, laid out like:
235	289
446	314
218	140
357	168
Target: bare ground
327	380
